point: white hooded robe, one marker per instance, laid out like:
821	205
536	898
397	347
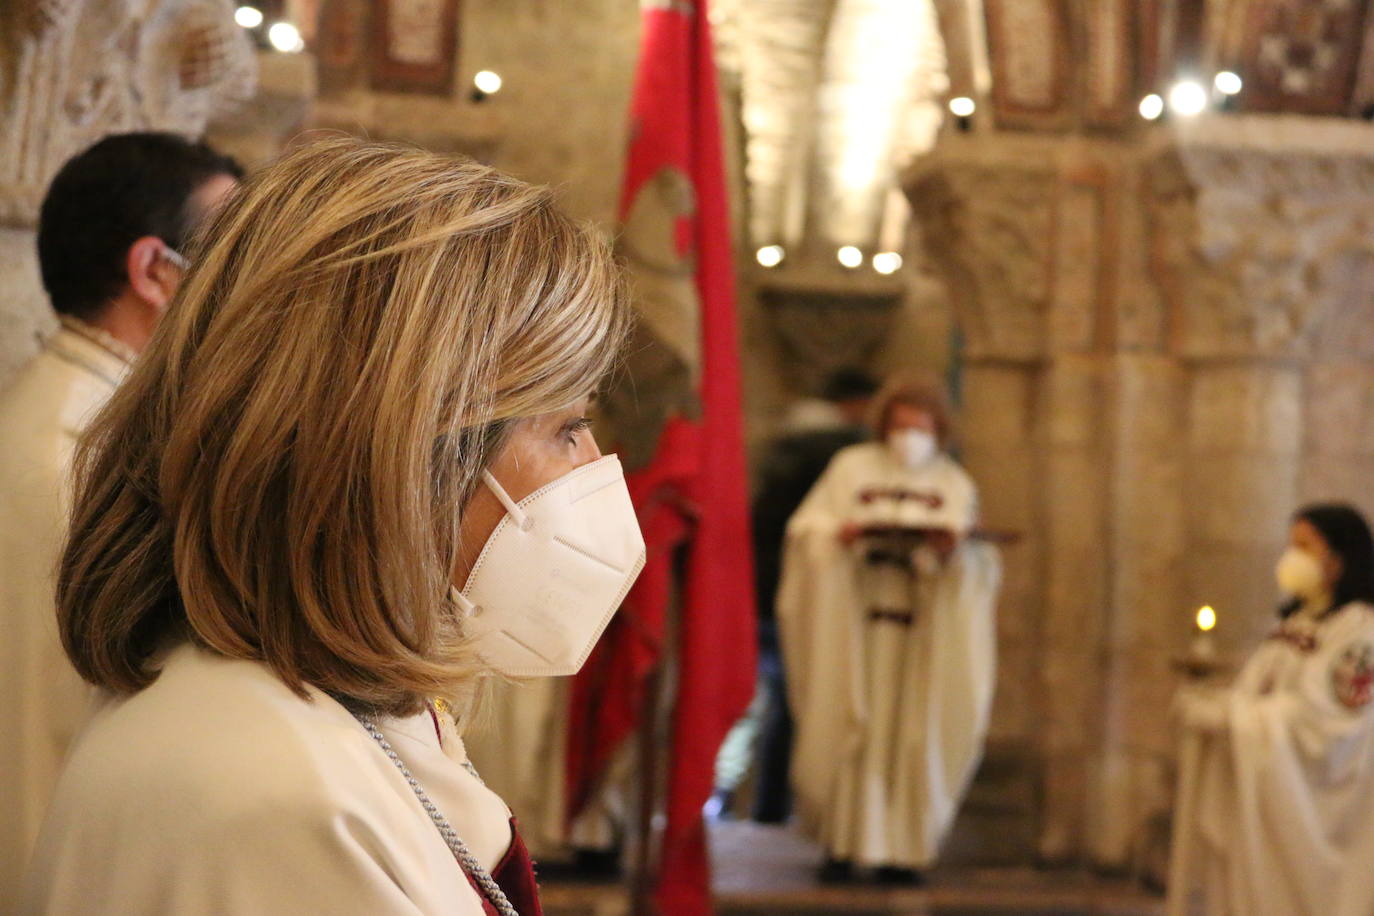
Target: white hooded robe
1283	810
43	410
890	718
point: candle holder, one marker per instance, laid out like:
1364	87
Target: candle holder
1201	661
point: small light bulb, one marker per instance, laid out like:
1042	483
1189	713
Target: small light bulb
250	17
285	37
850	256
1151	107
887	262
1228	83
1188	98
1206	618
487	81
962	106
769	255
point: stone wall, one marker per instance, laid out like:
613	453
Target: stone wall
561	114
73	71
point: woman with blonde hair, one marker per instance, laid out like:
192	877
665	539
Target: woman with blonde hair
885	609
351	475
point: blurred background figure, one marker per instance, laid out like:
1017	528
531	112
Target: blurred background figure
110	232
886	615
812	432
1279	795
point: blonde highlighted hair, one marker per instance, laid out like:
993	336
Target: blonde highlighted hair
283	474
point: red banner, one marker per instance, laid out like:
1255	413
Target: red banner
679	422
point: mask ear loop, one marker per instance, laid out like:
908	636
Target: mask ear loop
467	607
523	521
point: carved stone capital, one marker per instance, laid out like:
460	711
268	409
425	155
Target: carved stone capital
1261	233
825	326
985	222
74	71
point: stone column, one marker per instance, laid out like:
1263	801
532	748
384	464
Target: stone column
1172	317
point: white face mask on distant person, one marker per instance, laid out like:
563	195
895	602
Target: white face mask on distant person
553	572
914	448
1299	574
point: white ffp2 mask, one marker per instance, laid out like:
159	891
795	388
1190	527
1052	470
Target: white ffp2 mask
1299	573
553	572
913	447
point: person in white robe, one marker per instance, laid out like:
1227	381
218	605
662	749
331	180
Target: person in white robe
110	224
1279	776
886	609
350	476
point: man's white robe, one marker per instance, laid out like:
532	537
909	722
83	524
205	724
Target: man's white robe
1284	781
43	409
890	718
217	790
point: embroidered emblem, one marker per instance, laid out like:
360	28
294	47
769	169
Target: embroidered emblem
929	499
1305	643
1352	676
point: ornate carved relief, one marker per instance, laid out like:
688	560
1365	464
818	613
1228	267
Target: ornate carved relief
1030	47
1085	236
822	331
76	70
1110	66
1253	249
989	229
413	45
341	44
1300	55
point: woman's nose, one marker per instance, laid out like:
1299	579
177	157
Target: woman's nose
587	449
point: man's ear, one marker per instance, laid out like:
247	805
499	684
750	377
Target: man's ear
152	278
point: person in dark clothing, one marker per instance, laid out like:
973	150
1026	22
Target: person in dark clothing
794	460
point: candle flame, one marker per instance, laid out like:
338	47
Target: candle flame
1206	618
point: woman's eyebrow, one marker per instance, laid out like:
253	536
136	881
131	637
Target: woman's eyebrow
572	421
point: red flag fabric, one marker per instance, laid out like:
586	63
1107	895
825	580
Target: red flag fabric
687	471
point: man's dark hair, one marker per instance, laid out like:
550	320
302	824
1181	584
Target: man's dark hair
121	189
848	385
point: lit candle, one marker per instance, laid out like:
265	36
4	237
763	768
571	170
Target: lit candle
1204	623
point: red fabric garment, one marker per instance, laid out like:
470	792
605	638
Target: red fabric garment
693	491
515	874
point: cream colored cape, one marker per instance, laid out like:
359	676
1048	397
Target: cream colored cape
890	720
216	790
1285	790
42	410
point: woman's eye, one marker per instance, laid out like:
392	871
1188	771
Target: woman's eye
575	428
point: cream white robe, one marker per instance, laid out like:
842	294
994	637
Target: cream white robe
42	410
890	719
217	790
1284	781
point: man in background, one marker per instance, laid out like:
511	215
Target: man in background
110	235
814	429
795	460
